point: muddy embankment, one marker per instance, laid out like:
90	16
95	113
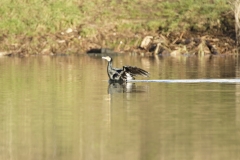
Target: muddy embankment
216	39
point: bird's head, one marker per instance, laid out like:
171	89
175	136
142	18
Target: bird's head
107	58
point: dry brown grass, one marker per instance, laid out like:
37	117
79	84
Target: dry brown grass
236	10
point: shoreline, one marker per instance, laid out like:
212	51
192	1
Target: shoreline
147	43
178	27
190	36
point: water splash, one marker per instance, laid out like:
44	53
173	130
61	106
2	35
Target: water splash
189	81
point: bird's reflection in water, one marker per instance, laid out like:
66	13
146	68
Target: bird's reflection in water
124	87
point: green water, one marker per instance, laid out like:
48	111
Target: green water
57	108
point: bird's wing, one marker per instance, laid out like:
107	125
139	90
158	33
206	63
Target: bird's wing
133	71
117	73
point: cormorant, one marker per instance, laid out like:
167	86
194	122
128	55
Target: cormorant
124	74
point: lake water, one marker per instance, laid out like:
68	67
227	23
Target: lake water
58	108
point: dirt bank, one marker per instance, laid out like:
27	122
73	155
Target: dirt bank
216	39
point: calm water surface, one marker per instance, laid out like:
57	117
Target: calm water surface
57	108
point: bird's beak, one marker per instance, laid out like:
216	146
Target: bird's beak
107	58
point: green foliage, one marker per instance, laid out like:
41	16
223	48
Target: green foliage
129	27
32	16
23	17
153	25
87	31
189	12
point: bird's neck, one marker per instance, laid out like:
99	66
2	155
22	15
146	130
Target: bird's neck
110	65
109	68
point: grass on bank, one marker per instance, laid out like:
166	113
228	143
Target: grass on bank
32	16
29	17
